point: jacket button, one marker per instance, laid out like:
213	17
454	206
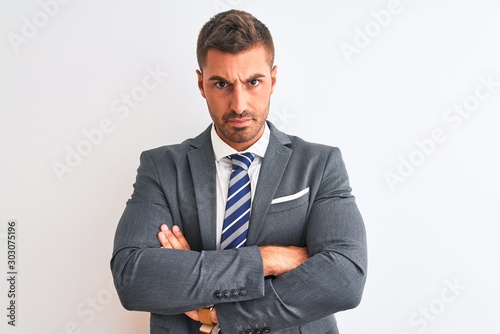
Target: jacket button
234	293
258	331
249	331
226	294
217	294
266	330
243	292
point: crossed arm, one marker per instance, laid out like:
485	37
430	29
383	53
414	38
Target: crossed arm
167	281
276	260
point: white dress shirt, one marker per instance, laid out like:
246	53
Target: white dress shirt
224	167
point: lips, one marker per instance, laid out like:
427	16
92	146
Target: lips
239	121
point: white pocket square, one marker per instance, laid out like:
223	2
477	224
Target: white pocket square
290	197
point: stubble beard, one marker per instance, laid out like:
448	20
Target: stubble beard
239	134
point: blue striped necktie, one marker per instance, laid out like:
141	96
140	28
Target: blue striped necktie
237	215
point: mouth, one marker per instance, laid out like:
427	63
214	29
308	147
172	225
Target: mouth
239	122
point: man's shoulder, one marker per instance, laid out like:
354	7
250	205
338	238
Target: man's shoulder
302	146
298	142
170	149
180	149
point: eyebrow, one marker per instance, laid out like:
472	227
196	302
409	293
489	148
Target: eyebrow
219	78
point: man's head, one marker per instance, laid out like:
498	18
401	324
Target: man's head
236	76
233	32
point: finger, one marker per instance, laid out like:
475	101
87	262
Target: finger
164	228
162	238
193	315
169	238
213	315
172	239
180	237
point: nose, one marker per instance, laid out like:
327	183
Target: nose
238	100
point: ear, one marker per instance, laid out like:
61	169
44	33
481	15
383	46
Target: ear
200	83
274	72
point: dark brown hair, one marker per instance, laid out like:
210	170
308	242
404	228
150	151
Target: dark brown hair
233	31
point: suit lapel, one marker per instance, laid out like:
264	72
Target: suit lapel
203	171
202	166
271	172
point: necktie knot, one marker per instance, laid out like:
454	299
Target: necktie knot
241	160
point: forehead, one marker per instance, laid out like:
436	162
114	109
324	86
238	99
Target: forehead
242	63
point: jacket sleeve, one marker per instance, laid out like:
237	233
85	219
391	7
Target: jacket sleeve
331	280
166	281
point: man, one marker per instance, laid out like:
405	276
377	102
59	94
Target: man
189	250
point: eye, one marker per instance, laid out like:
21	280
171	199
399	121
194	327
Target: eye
221	84
254	82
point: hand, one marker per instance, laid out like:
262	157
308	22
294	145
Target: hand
173	239
196	317
278	260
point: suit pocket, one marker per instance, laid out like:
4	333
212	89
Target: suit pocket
285	221
289	202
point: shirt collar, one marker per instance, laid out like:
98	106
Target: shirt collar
222	150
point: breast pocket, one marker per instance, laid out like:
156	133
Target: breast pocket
290	201
286	220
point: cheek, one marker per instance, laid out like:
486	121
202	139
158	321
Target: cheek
212	98
217	105
260	102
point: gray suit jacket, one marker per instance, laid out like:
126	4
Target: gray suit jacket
303	198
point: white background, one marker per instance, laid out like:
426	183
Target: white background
433	227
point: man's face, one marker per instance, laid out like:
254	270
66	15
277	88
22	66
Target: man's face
238	88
